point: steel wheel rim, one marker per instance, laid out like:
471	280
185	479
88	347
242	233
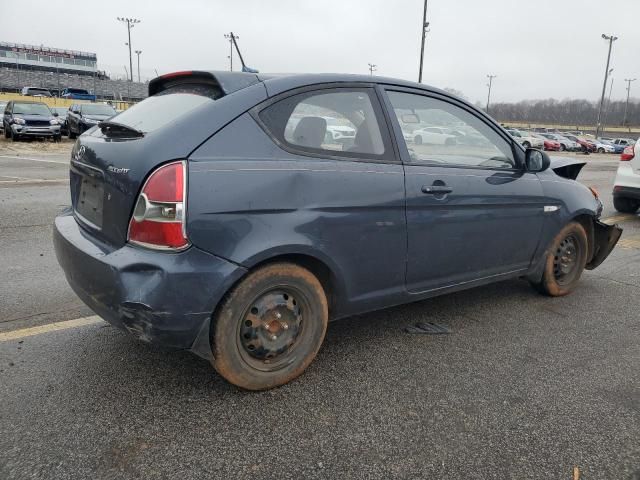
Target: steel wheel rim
271	329
565	260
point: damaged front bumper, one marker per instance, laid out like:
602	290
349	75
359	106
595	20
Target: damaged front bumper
605	238
164	298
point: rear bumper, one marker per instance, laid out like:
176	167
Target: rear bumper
164	298
627	182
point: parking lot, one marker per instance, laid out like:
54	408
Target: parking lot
523	386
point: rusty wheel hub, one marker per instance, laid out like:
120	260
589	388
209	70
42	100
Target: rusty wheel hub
565	259
271	327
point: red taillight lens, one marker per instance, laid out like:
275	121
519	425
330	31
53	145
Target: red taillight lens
158	219
627	154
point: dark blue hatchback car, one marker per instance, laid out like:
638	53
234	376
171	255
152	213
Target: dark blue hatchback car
235	214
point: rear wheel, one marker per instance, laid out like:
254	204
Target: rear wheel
72	134
565	261
600	150
562	147
626	205
270	327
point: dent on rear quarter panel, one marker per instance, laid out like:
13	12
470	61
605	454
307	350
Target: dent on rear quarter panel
249	201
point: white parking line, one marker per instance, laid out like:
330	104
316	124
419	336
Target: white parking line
50	327
15	157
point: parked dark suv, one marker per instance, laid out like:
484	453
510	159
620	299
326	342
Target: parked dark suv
217	215
29	119
83	116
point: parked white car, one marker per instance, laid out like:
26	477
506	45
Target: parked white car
626	188
526	140
624	141
433	135
338	131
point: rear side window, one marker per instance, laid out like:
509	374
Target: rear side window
340	122
168	105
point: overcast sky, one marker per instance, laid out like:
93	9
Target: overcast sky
537	49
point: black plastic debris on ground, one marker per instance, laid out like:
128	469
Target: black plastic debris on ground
427	328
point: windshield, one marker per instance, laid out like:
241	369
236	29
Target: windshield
98	110
38	91
59	110
31	109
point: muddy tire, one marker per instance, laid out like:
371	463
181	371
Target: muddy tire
626	205
270	327
565	261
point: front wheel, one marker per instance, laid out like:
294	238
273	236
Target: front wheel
270	327
565	261
526	145
72	134
626	205
600	150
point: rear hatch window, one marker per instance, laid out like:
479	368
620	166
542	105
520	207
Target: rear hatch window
167	106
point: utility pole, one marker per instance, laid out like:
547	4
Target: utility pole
608	108
425	26
131	22
490	77
138	52
232	38
626	105
372	68
611	39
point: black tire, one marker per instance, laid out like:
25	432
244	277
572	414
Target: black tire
6	132
417	140
57	138
14	136
562	147
600	150
72	134
565	260
252	346
626	205
526	144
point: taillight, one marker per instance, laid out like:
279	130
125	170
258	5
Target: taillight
627	154
158	219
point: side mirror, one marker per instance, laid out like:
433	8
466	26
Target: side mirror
56	114
536	160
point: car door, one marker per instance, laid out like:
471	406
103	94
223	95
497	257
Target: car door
301	190
473	213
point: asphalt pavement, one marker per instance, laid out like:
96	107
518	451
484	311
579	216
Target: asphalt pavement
523	387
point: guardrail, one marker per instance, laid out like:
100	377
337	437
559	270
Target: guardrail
60	102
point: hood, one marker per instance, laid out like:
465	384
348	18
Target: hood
32	118
98	117
567	167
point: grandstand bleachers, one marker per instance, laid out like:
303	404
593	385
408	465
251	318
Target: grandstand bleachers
12	80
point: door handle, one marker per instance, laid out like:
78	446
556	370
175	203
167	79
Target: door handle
436	189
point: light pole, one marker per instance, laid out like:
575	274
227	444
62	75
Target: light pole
608	107
425	26
372	68
231	37
490	77
138	52
626	105
131	22
611	39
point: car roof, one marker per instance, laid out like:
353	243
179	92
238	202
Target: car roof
28	101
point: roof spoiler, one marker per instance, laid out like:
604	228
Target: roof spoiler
228	82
